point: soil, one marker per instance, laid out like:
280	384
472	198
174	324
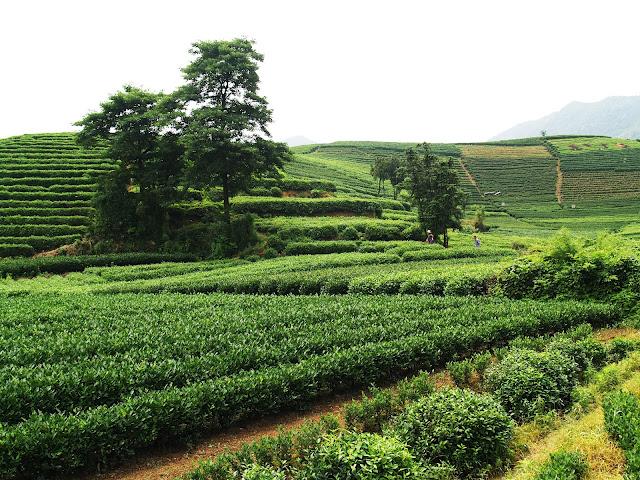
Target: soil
166	464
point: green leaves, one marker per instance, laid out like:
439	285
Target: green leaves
113	374
471	432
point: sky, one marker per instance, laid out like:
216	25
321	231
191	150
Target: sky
398	70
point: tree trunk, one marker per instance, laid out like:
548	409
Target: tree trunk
445	239
225	201
378	187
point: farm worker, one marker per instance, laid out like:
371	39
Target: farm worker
430	238
476	241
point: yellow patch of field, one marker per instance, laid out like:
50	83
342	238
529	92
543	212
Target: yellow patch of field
586	434
506	151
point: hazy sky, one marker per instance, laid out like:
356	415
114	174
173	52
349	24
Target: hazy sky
334	70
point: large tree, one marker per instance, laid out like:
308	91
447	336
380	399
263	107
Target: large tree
224	122
132	123
434	188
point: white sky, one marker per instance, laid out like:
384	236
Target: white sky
447	70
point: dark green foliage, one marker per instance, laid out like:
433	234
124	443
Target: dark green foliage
243	232
15	250
115	206
528	383
133	123
586	352
434	188
287	452
294	184
224	119
270	253
469	431
29	267
622	420
362	456
167	392
276	242
296	206
309	248
349	233
571	267
619	348
564	466
275	191
374	411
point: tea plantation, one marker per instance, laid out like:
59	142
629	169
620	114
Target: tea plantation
107	356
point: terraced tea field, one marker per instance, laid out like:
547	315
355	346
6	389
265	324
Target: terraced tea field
46	185
515	176
599	169
166	367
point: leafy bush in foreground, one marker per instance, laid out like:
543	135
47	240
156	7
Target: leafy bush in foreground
469	431
63	442
564	466
362	456
527	382
622	420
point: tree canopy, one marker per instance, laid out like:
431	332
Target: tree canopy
434	187
133	125
224	122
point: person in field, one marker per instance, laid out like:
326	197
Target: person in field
476	241
430	238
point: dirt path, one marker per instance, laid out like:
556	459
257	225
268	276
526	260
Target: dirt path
167	464
559	180
470	177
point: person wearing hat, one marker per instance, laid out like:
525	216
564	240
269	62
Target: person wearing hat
430	238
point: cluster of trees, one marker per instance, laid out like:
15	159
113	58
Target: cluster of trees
212	131
433	185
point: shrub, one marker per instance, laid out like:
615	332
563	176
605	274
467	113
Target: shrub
276	242
622	421
270	253
381	232
528	383
349	233
414	232
469	431
15	250
564	466
243	232
275	192
310	248
460	371
619	348
585	353
256	472
572	268
361	456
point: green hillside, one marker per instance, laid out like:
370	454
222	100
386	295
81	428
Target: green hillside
46	185
584	183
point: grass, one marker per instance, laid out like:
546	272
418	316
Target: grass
585	434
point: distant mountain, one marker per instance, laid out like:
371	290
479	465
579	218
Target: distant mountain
613	116
298	140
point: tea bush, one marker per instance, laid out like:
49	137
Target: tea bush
527	382
362	456
564	466
469	431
